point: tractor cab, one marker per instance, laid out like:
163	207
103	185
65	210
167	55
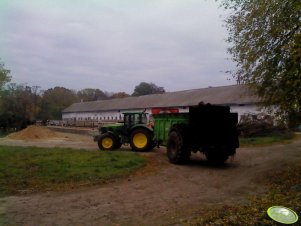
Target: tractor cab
134	118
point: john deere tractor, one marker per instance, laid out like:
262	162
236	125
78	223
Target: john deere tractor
133	130
207	128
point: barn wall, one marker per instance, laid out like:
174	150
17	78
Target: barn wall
118	115
109	115
254	109
100	116
245	109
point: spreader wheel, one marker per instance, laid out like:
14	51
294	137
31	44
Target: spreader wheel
178	151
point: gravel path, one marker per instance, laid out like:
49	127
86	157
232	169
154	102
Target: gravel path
159	194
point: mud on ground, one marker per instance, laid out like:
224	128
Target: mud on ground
159	194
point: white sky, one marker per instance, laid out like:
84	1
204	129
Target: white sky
114	45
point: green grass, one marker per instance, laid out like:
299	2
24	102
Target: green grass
266	140
284	188
3	219
26	170
3	134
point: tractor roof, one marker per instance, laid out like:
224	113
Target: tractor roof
134	113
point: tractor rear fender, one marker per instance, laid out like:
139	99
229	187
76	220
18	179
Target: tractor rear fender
97	137
141	126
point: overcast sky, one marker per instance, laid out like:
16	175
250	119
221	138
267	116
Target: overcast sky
114	45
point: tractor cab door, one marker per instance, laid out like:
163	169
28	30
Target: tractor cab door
132	119
139	118
127	121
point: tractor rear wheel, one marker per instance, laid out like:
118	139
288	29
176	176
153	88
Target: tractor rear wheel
141	140
178	151
107	141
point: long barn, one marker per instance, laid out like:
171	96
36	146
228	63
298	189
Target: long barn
238	97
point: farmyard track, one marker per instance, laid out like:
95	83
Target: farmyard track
160	194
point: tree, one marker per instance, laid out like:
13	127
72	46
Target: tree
266	45
147	88
4	78
54	100
120	95
91	95
4	75
18	106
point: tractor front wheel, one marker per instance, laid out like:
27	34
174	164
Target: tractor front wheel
107	141
141	140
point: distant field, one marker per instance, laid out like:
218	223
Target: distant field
26	170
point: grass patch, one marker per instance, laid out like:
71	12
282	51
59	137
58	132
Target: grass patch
3	218
284	189
266	140
3	134
26	170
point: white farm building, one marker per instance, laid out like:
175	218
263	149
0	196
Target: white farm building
238	97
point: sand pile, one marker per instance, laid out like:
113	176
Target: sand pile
35	133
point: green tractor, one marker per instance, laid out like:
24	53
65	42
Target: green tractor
133	130
207	128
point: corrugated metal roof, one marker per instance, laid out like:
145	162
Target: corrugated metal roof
223	95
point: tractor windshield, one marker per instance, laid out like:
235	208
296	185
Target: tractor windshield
135	118
139	119
143	119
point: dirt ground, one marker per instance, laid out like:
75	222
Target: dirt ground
44	137
159	194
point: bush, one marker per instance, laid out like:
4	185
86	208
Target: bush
258	125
